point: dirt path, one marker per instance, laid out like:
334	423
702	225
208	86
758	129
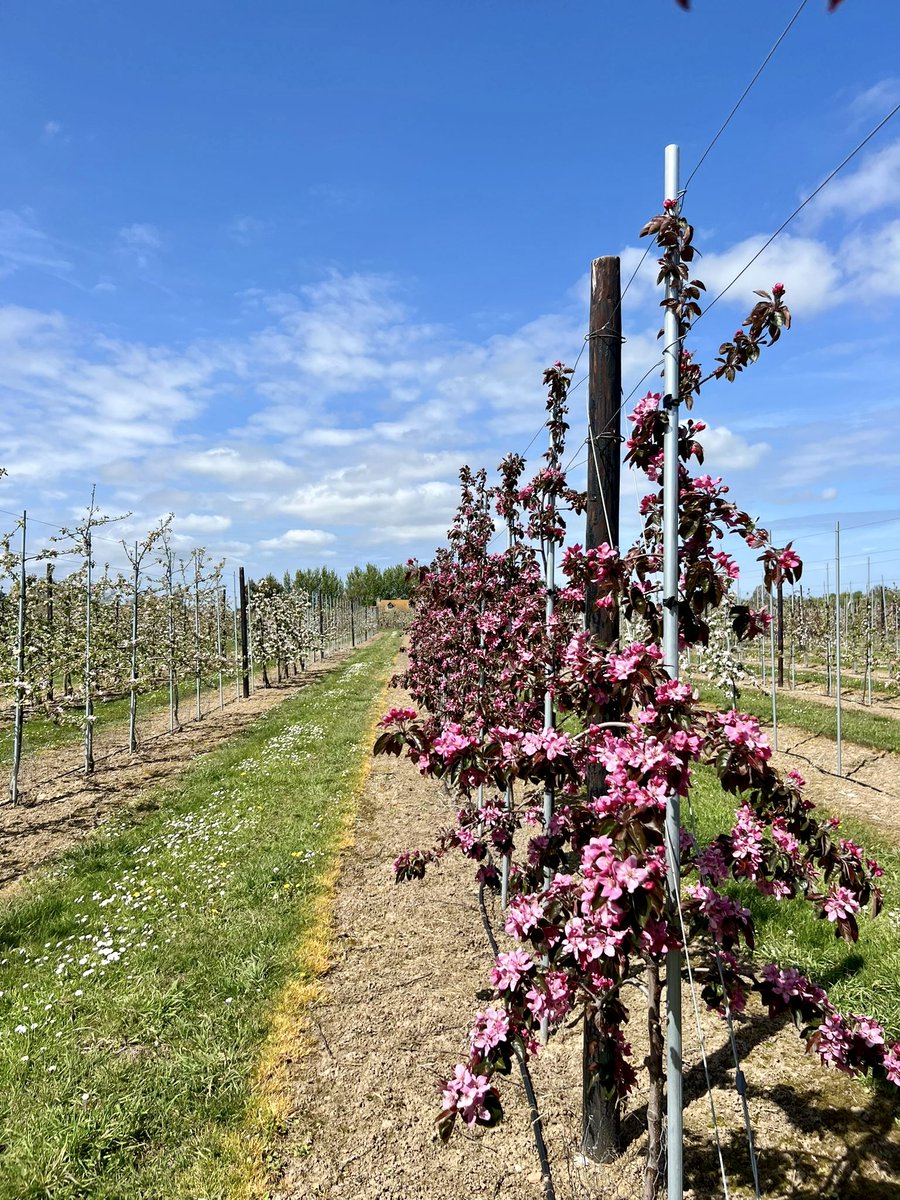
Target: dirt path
883	706
869	789
392	1019
60	804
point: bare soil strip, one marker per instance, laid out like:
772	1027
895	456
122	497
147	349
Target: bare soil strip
869	789
883	706
392	1018
60	804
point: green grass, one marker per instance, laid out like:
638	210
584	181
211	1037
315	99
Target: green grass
859	978
129	1078
42	733
853	687
864	728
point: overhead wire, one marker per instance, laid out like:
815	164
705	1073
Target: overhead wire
800	207
745	93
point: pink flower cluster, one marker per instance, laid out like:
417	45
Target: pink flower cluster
465	1094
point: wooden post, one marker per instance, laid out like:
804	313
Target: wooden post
601	1133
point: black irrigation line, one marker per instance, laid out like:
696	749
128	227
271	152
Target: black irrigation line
537	1124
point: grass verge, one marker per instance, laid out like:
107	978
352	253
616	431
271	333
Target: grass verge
859	978
42	733
138	974
863	728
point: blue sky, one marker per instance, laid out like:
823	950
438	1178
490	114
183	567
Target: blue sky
282	267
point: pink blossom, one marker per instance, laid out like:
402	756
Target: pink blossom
552	1001
868	1030
787	560
833	1043
840	904
490	1029
510	969
465	1093
452	741
397	714
522	915
892	1063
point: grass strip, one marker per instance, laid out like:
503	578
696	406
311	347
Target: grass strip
859	978
43	733
864	729
138	973
853	685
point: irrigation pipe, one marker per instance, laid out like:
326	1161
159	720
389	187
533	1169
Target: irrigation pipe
537	1125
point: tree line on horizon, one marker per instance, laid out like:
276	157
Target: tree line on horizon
365	584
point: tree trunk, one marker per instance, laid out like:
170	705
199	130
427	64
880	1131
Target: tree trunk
601	1125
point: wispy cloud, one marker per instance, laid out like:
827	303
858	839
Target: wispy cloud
140	242
24	245
293	539
245	230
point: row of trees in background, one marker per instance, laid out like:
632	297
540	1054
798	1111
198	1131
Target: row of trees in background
169	622
803	649
364	585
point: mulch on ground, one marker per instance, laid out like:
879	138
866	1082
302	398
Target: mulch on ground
392	1019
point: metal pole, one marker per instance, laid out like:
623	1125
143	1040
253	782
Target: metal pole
20	676
237	652
672	363
51	658
132	699
198	681
245	659
220	602
772	666
173	679
88	695
837	640
505	861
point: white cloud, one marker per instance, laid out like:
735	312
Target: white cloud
355	497
202	523
727	451
51	130
873	261
298	538
845	454
141	235
876	100
140	242
245	230
103	400
809	269
874	184
228	465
